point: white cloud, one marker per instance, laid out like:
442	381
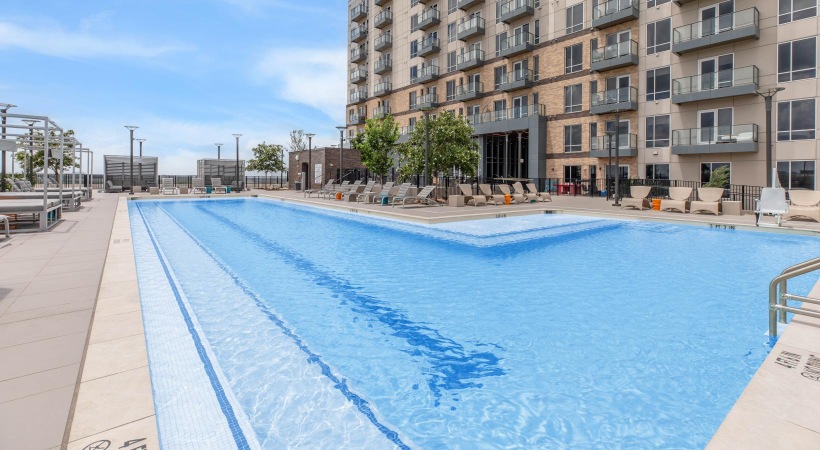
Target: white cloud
53	40
258	6
313	77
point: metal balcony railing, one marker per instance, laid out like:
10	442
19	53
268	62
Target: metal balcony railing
470	88
471	24
625	141
720	24
716	80
612	7
624	94
614	51
508	114
726	134
472	55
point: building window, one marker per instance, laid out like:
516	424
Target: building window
451	61
572	98
572	174
451	6
499	73
796	174
658	36
657	131
451	90
414	48
657	171
791	10
534	68
575	18
658	84
653	3
797	60
795	120
537	32
572	138
451	32
412	100
706	170
573	56
414	73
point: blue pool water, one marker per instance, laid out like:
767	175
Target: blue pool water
272	326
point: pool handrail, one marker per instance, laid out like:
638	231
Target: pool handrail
779	302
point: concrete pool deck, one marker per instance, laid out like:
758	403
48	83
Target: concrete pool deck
113	392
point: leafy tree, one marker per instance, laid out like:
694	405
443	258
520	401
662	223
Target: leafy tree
719	178
267	158
451	147
36	142
376	144
297	141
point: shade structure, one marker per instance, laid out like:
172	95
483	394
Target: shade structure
118	170
221	168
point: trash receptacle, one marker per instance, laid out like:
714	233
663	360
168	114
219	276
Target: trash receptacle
297	186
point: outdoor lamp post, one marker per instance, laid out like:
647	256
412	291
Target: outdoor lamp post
140	141
281	158
237	135
609	163
218	151
131	129
617	159
4	108
426	110
767	95
309	182
341	129
29	170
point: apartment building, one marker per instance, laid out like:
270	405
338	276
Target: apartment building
554	87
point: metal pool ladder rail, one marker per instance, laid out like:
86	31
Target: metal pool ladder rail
780	302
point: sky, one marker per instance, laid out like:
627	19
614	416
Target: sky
189	73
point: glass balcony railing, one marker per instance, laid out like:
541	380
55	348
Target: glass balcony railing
381	88
429	15
471	24
358	33
614	51
726	134
605	142
404	131
716	80
514	5
383	17
358	53
358	74
384	40
382	64
612	7
428	43
508	114
470	88
358	95
720	24
622	95
381	111
517	40
358	11
427	71
473	55
355	118
515	76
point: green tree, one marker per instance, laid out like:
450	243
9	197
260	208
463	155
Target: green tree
36	142
267	158
719	178
377	143
451	148
297	141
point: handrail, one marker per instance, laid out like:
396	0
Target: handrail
779	302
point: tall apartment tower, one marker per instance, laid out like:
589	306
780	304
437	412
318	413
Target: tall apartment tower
544	81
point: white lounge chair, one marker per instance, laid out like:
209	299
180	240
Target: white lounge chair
709	200
638	198
216	185
495	199
678	199
772	202
167	186
422	197
321	190
541	196
469	197
804	203
517	198
198	185
529	196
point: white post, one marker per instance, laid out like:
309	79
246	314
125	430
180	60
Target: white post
44	215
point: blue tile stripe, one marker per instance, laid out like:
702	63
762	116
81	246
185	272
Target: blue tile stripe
224	403
338	383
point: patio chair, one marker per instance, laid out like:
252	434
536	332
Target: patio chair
166	186
5	220
469	197
505	189
422	197
336	189
678	199
110	187
370	197
772	202
541	196
529	196
386	196
804	203
216	185
321	190
708	200
357	189
198	185
638	198
495	199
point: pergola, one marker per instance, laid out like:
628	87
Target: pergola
221	168
117	169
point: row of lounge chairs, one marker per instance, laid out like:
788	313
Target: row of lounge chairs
487	195
709	199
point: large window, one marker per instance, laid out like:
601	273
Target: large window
451	61
657	171
451	6
797	60
451	90
573	58
572	98
451	32
796	174
658	84
575	18
412	99
658	36
791	10
795	120
572	138
414	48
706	170
572	173
657	131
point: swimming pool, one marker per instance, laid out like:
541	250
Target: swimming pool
271	325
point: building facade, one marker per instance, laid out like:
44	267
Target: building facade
549	84
324	166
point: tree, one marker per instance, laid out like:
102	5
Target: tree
719	178
36	142
297	141
377	143
267	158
451	148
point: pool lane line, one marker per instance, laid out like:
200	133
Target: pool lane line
338	383
224	404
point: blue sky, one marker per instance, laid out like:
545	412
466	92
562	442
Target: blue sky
189	73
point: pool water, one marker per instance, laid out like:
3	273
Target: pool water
288	326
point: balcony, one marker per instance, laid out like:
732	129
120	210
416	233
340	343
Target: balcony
356	119
383	65
464	5
358	54
508	120
358	75
469	60
517	44
516	9
599	146
470	91
720	139
425	74
724	29
358	34
616	100
428	46
381	112
427	101
518	79
722	84
404	133
383	19
380	2
614	12
382	88
383	42
614	56
358	12
428	19
358	95
470	29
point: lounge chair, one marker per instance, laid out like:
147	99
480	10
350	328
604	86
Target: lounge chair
505	189
469	197
198	185
216	185
166	186
387	195
638	198
331	193
709	200
495	199
110	187
541	196
370	197
804	203
321	190
529	196
5	220
422	197
678	199
353	193
772	202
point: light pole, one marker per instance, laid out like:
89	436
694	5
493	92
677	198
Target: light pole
341	129
609	163
4	108
282	159
237	135
767	95
30	165
617	159
218	151
140	141
131	129
426	110
309	181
